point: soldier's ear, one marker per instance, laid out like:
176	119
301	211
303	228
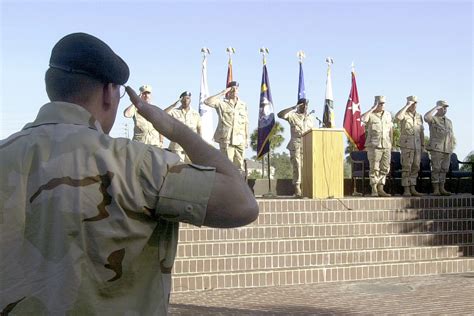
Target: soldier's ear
108	92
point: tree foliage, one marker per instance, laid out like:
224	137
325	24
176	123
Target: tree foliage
469	158
276	137
281	162
254	174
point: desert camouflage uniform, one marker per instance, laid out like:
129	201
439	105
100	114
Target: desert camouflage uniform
144	131
411	129
441	146
232	129
191	119
90	222
299	124
378	145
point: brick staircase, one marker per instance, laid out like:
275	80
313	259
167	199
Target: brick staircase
312	241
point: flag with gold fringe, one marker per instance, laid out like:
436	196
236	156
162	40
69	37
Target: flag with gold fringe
266	116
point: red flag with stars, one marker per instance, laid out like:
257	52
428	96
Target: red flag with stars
353	127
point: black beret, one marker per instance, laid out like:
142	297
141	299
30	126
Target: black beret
302	100
232	84
85	54
185	94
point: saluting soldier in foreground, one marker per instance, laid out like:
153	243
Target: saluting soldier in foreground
89	223
441	145
379	135
300	122
411	144
188	117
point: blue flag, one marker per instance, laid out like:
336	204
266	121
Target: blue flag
266	116
301	89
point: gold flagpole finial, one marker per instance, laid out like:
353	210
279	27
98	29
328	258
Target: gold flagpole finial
301	55
329	61
230	51
205	51
264	52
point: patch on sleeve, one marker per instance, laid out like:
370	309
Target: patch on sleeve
185	193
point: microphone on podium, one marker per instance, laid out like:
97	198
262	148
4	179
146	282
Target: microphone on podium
321	123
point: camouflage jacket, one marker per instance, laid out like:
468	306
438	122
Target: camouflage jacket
232	127
89	223
300	123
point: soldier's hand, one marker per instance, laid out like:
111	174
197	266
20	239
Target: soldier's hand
226	90
135	98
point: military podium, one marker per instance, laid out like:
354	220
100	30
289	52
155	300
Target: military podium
323	163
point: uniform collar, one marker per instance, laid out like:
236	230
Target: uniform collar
182	109
231	101
64	113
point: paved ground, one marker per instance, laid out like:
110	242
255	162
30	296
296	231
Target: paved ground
432	295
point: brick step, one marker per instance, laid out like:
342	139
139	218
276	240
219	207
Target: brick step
324	231
259	278
365	203
304	245
325	217
355	216
306	260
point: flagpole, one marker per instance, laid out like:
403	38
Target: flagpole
230	51
204	111
328	115
301	55
301	89
264	51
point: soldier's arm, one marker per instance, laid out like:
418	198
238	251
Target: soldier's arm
365	116
247	138
231	203
169	108
401	114
198	127
213	100
282	114
422	135
429	115
129	111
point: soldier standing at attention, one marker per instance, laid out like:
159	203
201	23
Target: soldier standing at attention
441	145
186	115
379	135
143	130
232	132
411	144
300	122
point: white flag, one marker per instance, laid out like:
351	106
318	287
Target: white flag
207	124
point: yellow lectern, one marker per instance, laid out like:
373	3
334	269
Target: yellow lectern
323	163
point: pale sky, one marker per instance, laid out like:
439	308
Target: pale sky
400	48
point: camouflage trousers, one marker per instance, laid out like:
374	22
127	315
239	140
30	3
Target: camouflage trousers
235	154
379	162
296	157
410	166
439	166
